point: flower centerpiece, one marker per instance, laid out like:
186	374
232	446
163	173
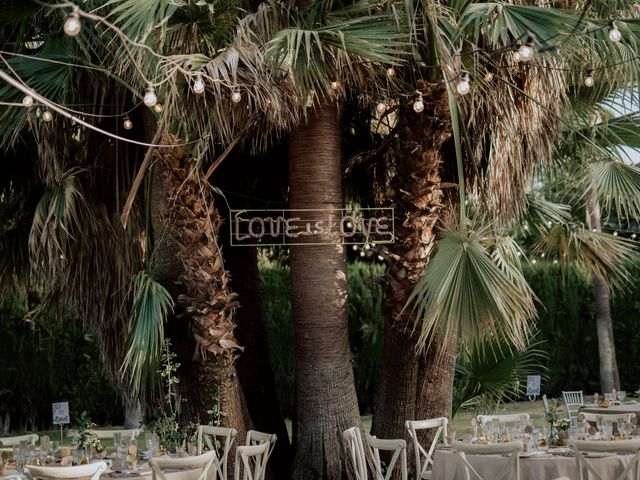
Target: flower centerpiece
83	437
562	425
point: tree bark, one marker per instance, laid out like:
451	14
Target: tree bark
609	378
414	386
187	261
325	388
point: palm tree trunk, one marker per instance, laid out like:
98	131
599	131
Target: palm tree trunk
414	386
325	388
609	378
187	261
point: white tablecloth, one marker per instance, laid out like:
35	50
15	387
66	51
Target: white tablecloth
143	475
447	466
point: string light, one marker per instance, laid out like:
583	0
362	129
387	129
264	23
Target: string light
633	235
418	105
391	72
463	86
534	261
588	79
47	116
381	107
150	98
526	50
355	248
488	77
615	234
614	34
517	57
236	97
198	85
27	101
72	25
335	85
158	107
127	123
381	258
362	253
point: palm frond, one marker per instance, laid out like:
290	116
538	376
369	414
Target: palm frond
599	253
618	186
141	362
483	381
465	295
540	214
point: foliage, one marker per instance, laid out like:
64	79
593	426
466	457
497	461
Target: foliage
483	380
82	436
49	361
141	363
562	423
551	413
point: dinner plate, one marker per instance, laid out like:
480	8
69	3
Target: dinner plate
598	454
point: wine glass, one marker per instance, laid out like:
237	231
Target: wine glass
621	395
152	443
122	451
623	428
607	429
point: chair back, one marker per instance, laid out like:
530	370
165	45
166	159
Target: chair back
353	439
423	457
398	447
251	462
254	437
218	440
130	432
30	438
92	470
580	447
510	469
607	417
206	462
573	400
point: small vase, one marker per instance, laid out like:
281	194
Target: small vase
563	435
553	439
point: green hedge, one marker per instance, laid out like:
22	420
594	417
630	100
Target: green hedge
49	361
566	321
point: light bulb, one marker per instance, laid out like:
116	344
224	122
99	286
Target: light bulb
633	235
526	52
391	72
381	258
236	97
614	34
534	261
150	98
517	57
198	85
27	101
127	123
72	25
463	86
615	234
335	85
418	105
588	79
381	107
355	247
47	116
158	107
488	77
367	246
361	253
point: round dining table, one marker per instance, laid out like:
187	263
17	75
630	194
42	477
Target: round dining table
448	466
143	473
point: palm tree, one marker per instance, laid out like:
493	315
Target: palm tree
510	125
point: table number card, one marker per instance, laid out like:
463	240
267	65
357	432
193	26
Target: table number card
533	385
60	413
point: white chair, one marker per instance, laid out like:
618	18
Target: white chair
510	469
219	440
509	418
31	439
355	445
92	471
251	462
580	447
573	400
254	437
424	458
396	445
207	461
133	433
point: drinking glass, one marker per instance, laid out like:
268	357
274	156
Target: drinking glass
18	456
607	430
77	455
621	395
132	454
623	428
117	437
153	443
122	450
55	449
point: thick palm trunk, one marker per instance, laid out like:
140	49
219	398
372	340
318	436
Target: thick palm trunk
609	378
325	388
414	386
187	260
